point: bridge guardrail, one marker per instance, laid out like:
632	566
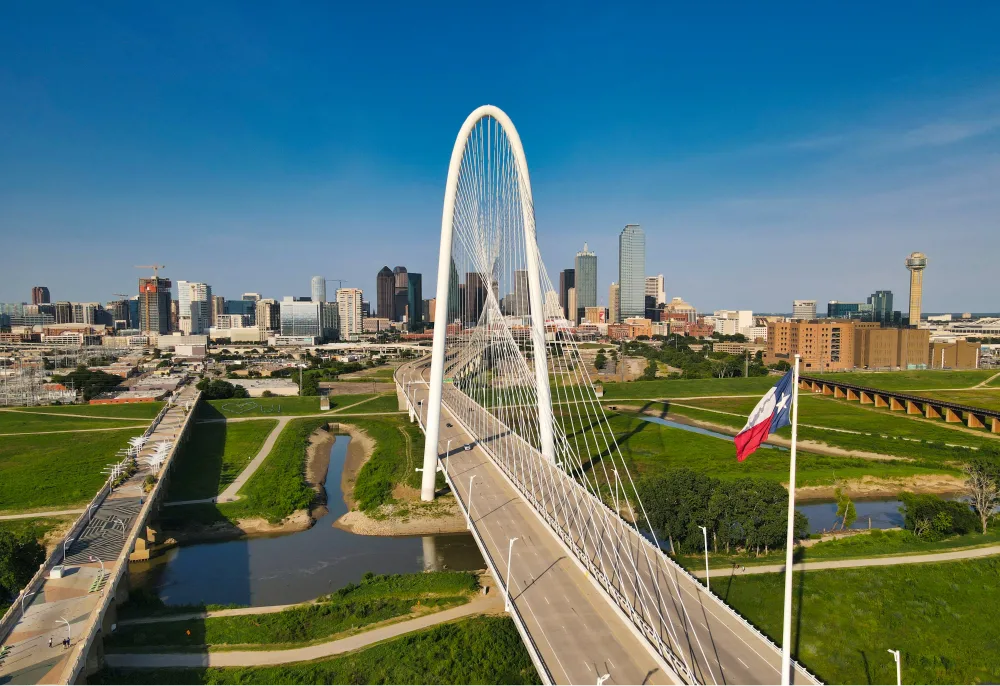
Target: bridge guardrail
92	629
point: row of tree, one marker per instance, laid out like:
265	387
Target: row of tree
219	389
89	383
747	513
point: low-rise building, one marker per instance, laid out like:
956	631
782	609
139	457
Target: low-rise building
824	345
957	355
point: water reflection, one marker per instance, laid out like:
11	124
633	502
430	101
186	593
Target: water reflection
876	513
297	567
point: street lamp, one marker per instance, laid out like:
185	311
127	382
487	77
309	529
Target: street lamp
510	551
91	558
69	631
23	596
899	671
470	503
704	532
66	543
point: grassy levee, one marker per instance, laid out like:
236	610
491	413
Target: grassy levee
214	455
282	406
651	448
278	487
55	471
882	431
386	402
845	619
23	422
125	411
681	388
985	398
911	380
480	650
36	526
375	599
399	447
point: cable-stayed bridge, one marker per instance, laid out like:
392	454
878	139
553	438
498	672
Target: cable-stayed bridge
513	421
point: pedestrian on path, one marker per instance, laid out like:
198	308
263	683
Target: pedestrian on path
50	641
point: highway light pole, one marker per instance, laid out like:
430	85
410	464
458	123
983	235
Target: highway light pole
704	532
23	596
899	671
470	512
510	551
786	628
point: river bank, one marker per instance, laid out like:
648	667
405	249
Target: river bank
408	517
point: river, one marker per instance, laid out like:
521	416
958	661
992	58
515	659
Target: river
297	567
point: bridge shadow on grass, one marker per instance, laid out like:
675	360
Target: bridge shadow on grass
197	469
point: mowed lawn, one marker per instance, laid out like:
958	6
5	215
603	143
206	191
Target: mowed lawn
890	433
283	406
912	380
25	422
987	398
939	615
651	448
55	471
685	388
123	410
214	455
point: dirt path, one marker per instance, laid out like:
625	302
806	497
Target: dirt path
77	431
247	658
232	489
968	554
47	513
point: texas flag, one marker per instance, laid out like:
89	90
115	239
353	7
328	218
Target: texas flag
770	415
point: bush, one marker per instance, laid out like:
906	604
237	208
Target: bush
931	516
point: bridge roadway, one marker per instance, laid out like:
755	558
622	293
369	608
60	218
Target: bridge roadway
577	629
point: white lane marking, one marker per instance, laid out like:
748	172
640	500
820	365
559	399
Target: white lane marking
589	668
744	663
547	601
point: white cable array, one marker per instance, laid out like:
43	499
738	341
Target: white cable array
544	425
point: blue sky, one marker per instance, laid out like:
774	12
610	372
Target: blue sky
794	151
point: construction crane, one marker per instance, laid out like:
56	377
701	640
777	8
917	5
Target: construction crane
340	283
155	267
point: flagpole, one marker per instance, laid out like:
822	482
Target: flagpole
786	629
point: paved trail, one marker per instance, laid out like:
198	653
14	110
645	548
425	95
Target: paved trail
125	427
247	658
968	554
49	513
983	384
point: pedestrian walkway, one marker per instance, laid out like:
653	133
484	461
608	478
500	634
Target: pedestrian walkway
949	556
46	513
105	535
257	658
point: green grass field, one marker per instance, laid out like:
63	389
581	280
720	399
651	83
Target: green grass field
278	487
385	402
36	526
398	451
126	410
891	433
291	405
936	614
650	448
986	398
376	599
481	650
55	471
912	380
214	455
684	388
24	422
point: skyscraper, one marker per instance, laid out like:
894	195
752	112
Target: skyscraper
415	302
268	315
632	271
40	295
614	304
881	302
567	280
218	307
154	305
916	263
399	299
256	297
475	296
804	309
349	310
317	288
521	306
585	282
654	288
194	302
385	290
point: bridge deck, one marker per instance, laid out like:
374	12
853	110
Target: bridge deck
573	623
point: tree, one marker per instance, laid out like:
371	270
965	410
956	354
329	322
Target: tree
982	485
600	360
845	507
20	557
921	515
649	373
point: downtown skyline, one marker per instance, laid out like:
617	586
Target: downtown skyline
808	191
